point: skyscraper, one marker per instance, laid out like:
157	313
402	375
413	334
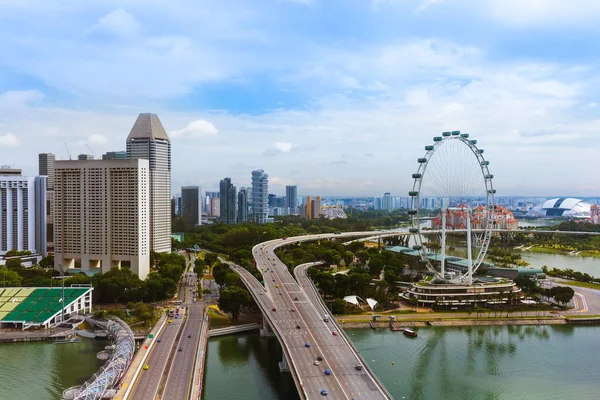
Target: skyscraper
316	208
242	207
386	202
191	205
291	198
101	215
23	213
46	167
309	207
260	196
148	140
227	197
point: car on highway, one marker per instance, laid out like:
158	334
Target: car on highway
180	349
319	358
297	326
327	372
359	367
293	309
306	344
146	367
158	340
189	336
324	392
316	362
276	285
274	309
334	333
170	321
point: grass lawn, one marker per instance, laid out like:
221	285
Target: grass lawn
219	319
582	284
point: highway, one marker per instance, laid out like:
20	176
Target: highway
299	319
180	376
147	385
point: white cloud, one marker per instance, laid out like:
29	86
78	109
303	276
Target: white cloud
9	140
119	23
283	147
195	129
542	11
97	140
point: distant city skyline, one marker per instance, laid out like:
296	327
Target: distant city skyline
344	111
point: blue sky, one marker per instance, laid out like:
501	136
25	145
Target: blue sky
337	96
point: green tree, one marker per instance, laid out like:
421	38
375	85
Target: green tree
210	259
9	277
219	272
232	299
47	262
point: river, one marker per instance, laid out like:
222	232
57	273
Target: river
500	362
42	370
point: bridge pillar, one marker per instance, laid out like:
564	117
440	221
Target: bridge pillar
283	364
266	330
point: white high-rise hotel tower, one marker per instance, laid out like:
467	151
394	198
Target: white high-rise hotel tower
148	140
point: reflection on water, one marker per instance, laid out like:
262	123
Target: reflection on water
499	362
496	362
245	366
43	370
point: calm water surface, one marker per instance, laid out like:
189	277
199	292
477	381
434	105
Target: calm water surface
495	363
42	370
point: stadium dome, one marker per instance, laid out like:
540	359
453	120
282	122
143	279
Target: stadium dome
565	207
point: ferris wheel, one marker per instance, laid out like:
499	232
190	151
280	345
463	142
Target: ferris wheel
453	177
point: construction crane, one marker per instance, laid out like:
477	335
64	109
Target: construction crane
68	152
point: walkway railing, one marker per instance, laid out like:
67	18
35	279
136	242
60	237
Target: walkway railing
110	374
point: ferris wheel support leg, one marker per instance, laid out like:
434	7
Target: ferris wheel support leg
443	259
469	255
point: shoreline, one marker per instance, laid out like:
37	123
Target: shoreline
456	322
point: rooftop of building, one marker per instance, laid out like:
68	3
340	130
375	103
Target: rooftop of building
148	126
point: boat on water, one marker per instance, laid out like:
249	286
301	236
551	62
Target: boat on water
71	340
409	332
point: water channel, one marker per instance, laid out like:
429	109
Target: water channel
42	370
519	362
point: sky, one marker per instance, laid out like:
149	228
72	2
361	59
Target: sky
336	96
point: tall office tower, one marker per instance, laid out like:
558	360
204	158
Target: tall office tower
291	198
115	155
101	215
85	157
191	205
228	198
176	206
316	207
386	202
23	213
260	196
308	207
46	167
148	140
215	207
242	206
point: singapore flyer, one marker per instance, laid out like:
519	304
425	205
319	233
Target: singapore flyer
454	177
